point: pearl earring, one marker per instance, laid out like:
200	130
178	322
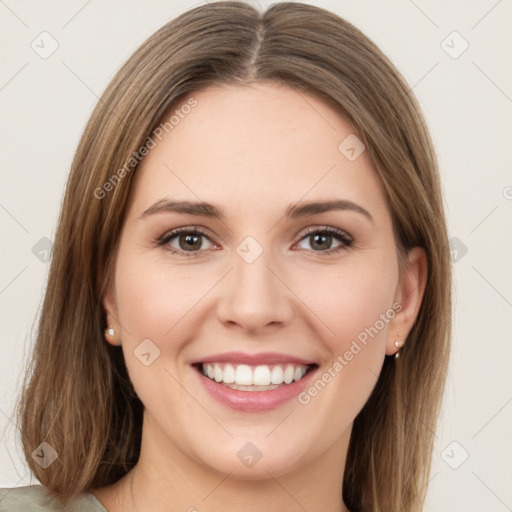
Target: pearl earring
110	331
398	344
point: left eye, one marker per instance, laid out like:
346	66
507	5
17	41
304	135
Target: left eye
321	240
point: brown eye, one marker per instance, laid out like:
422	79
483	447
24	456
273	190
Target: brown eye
190	242
185	241
321	240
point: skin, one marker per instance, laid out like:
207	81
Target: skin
253	151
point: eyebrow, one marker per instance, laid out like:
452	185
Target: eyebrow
293	211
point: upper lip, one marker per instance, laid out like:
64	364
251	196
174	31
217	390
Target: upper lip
263	358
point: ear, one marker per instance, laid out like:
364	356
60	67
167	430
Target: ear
110	306
409	295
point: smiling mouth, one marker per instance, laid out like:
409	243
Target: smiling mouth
245	377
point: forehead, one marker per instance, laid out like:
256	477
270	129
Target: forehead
254	147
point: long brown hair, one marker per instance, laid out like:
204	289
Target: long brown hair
77	395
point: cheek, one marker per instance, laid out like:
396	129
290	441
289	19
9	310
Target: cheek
356	305
155	302
154	299
351	301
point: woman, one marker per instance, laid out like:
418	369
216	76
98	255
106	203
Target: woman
252	232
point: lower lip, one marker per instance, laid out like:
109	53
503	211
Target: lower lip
254	401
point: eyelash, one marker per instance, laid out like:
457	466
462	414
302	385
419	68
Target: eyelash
339	235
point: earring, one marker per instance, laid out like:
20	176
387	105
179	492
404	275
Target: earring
110	331
398	344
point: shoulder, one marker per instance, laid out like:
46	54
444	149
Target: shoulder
35	499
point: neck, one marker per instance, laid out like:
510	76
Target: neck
165	478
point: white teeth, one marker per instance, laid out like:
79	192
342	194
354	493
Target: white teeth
261	376
252	388
276	377
244	375
288	374
229	374
217	373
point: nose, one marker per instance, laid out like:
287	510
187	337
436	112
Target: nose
255	296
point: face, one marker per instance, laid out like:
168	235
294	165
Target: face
256	283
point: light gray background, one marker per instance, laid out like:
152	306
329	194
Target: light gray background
467	102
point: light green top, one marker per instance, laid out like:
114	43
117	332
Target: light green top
34	499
